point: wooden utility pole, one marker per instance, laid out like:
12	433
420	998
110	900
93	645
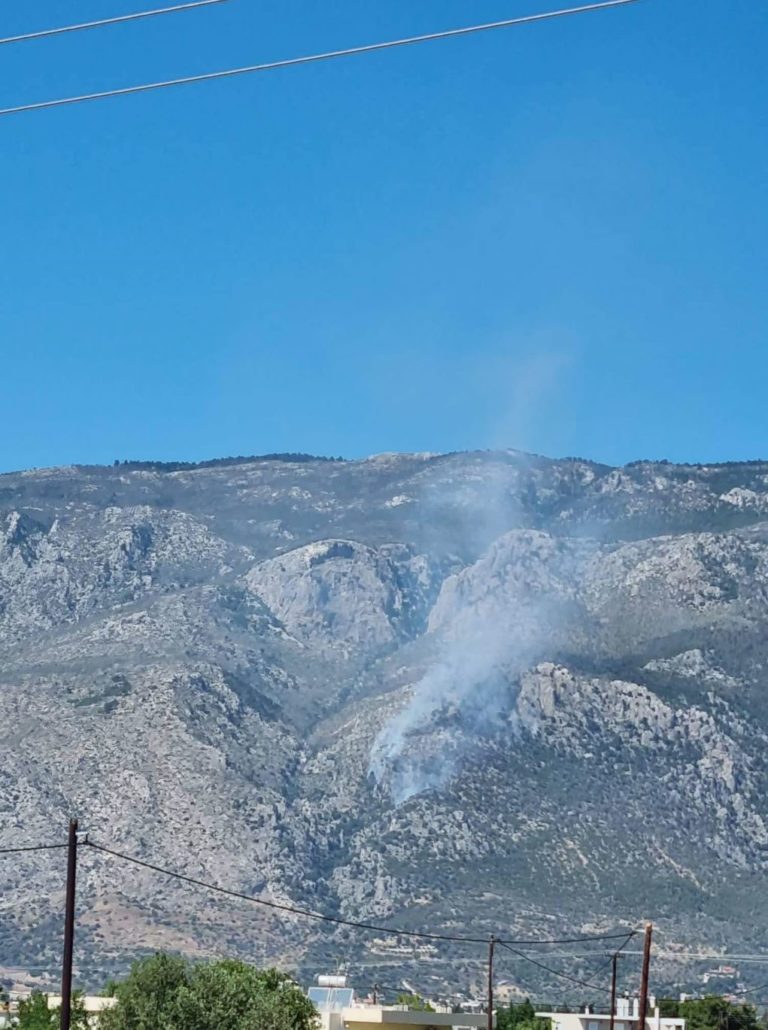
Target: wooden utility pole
644	977
491	947
69	928
614	963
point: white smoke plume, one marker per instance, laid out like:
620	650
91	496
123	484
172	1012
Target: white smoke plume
468	693
514	607
490	627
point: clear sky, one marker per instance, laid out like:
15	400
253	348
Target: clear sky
552	237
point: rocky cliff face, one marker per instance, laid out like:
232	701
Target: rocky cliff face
462	693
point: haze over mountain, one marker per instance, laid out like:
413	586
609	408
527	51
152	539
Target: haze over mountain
464	693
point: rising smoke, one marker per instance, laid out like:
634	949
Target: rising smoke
469	693
491	623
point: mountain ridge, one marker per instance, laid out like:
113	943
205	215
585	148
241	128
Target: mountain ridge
409	687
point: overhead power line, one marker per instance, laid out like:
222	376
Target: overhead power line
574	940
618	951
31	847
309	914
604	966
751	990
554	972
279	906
692	956
314	58
390	989
566	976
102	22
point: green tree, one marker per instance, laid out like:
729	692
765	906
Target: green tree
669	1008
148	998
414	1002
520	1016
231	995
714	1012
36	1014
167	993
78	1017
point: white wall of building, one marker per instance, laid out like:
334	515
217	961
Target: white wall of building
627	1018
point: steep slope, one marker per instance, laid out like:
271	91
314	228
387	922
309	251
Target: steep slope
485	692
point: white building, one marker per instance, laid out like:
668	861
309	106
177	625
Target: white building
94	1004
340	1010
627	1018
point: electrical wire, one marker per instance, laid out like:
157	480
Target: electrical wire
695	956
33	847
619	950
279	906
751	990
554	972
309	914
313	58
570	940
119	19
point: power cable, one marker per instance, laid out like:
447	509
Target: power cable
683	956
751	990
554	972
313	58
568	940
290	909
619	950
309	914
119	19
695	956
33	847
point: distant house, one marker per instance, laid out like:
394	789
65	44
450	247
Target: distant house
721	973
627	1018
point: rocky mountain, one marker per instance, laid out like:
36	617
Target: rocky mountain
464	694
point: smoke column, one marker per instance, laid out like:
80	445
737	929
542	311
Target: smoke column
491	624
498	617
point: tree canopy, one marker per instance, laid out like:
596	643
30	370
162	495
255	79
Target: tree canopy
520	1016
165	992
36	1014
712	1012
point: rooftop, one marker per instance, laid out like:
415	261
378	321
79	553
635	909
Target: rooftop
399	1015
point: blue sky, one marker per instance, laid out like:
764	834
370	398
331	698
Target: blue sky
552	237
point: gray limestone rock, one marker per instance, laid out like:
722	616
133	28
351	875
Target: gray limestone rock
486	692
